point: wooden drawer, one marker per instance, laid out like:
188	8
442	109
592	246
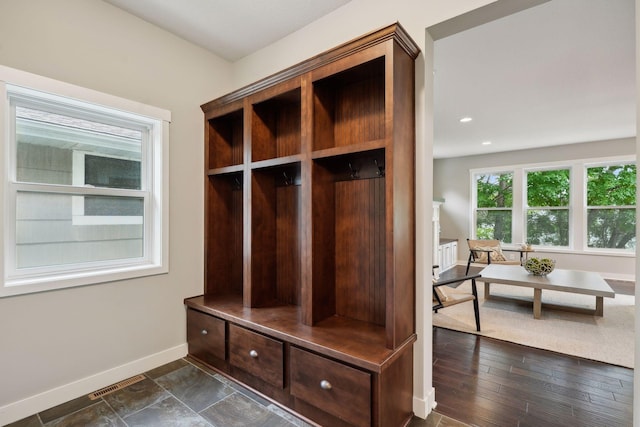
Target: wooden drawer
337	389
257	354
206	335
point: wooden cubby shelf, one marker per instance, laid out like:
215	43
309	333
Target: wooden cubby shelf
309	293
224	145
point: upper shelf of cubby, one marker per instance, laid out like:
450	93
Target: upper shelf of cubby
392	32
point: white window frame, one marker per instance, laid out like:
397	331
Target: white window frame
156	224
474	198
526	208
577	207
585	211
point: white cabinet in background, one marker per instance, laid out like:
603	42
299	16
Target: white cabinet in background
447	254
445	251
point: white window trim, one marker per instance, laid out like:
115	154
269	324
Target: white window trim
157	227
577	208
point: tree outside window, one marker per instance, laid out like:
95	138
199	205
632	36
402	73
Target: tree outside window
611	213
494	206
548	201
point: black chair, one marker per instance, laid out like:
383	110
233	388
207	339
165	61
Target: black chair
445	296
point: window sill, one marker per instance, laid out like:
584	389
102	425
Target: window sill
43	283
584	253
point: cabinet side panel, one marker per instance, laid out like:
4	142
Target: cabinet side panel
360	250
395	392
401	166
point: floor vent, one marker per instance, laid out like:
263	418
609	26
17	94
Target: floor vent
115	387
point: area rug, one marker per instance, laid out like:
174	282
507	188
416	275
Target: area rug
607	339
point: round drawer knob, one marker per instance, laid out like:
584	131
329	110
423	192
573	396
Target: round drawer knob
253	354
204	332
325	385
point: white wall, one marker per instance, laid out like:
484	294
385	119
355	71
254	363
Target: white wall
451	182
58	345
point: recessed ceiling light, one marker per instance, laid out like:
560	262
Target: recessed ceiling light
465	119
486	142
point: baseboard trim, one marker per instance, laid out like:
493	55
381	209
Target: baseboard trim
423	407
32	405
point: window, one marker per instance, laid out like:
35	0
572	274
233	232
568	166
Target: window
611	200
576	206
85	186
494	196
547	212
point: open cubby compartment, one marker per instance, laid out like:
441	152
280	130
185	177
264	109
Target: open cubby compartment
224	135
224	231
275	236
275	126
349	237
349	107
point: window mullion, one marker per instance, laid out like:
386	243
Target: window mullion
519	203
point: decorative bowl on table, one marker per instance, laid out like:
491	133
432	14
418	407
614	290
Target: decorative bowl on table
539	266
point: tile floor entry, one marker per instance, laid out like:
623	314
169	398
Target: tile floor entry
182	393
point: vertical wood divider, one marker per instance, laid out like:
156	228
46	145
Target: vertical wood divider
306	215
247	295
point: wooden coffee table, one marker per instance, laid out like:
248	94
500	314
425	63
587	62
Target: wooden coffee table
573	281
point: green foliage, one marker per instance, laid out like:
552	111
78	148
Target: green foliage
548	227
494	224
612	228
495	190
611	185
607	186
548	188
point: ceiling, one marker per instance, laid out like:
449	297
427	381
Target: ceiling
559	73
231	29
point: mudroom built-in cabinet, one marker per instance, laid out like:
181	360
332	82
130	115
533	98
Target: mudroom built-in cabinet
309	295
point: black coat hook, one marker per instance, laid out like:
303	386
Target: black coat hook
380	168
287	180
354	172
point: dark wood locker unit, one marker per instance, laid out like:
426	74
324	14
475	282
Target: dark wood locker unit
309	235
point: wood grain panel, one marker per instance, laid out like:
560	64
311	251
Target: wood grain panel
342	384
484	381
288	138
275	247
263	240
323	245
225	137
349	108
275	127
359	112
223	239
261	356
206	336
288	244
360	250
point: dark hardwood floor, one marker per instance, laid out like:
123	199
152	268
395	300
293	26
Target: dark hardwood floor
486	382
